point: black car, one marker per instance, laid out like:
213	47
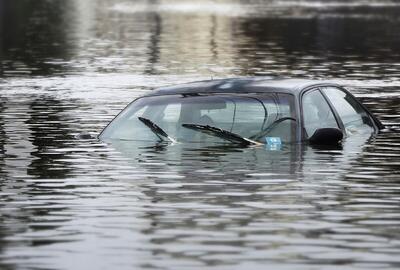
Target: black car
245	111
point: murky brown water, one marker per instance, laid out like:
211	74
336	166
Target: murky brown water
68	67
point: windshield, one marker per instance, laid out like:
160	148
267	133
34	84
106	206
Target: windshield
256	116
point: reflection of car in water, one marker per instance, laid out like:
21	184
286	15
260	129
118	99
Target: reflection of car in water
245	111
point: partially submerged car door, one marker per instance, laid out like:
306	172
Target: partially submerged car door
355	119
330	108
317	113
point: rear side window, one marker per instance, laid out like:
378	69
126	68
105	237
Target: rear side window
355	119
317	113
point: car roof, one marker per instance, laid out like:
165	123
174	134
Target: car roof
240	85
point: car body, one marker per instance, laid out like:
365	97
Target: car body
245	111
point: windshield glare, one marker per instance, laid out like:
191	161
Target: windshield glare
245	115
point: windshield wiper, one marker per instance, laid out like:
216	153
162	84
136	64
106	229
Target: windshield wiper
156	129
221	133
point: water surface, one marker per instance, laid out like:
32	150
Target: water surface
66	202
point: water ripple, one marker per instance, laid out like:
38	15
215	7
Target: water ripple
72	202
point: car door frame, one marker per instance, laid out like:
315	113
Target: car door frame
377	124
375	121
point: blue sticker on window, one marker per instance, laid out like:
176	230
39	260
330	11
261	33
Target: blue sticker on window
273	140
273	143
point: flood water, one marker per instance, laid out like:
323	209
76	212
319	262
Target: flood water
67	67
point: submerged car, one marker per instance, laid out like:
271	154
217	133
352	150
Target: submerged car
245	111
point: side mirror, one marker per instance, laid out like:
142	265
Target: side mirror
326	136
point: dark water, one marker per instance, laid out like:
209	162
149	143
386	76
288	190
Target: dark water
66	202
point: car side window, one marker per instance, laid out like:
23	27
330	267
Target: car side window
355	119
317	113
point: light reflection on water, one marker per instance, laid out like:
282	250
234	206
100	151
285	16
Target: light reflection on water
69	202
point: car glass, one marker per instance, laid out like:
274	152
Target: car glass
317	113
170	116
128	126
282	121
244	115
355	119
249	115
